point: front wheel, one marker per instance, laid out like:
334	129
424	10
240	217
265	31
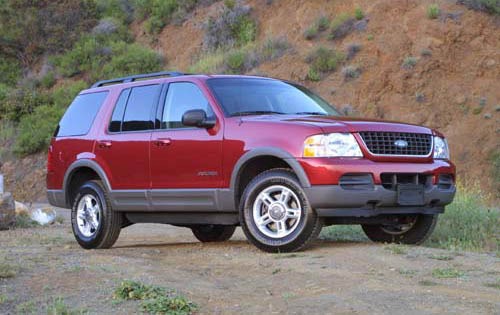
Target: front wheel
411	229
213	233
275	214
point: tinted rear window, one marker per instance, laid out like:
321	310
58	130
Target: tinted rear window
81	114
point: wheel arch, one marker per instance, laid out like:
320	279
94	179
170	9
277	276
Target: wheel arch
78	173
274	157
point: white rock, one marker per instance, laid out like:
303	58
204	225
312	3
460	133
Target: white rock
44	216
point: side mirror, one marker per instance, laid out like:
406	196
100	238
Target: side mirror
197	118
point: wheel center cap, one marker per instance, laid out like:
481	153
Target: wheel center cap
277	212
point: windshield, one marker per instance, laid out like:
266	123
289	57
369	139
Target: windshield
254	96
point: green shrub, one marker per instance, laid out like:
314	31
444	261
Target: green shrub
155	300
20	102
351	72
468	224
36	129
311	32
159	13
495	165
236	61
358	14
7	270
10	70
122	10
273	47
48	80
320	25
233	27
488	6
324	60
107	59
409	62
433	11
313	75
341	26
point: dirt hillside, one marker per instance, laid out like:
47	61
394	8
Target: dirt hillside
453	87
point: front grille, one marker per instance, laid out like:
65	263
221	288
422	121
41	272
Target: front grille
386	143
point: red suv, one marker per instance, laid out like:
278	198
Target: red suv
211	152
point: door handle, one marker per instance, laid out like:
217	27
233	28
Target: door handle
104	144
163	142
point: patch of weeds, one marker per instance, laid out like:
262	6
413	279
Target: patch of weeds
488	6
155	300
343	233
397	249
3	298
7	270
324	60
59	307
433	11
441	257
59	219
468	224
358	14
273	47
288	295
427	283
275	271
341	26
320	25
24	221
495	285
420	97
28	307
352	50
370	37
409	63
447	273
351	72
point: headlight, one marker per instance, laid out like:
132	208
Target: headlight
441	150
332	145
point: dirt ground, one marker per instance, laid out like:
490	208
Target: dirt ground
235	278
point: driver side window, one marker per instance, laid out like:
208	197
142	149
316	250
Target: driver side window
181	97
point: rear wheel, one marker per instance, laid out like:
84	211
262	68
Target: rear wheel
275	214
94	223
213	233
411	229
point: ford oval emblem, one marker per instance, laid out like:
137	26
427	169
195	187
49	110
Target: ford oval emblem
401	144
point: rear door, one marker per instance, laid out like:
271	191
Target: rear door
186	162
124	148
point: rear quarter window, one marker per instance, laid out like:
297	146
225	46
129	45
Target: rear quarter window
80	115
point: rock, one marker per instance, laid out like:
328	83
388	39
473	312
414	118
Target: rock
21	209
7	211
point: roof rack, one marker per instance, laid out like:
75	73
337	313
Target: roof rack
133	78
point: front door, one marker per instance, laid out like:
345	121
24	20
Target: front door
186	162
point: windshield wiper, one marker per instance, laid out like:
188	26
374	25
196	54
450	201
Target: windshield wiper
312	113
256	112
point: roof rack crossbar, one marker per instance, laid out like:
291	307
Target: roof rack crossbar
133	78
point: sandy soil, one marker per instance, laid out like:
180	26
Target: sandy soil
235	278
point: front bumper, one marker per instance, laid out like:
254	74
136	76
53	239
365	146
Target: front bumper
335	201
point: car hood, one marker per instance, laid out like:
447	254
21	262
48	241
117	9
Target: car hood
342	124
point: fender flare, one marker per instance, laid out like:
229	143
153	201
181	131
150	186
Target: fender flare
84	163
269	151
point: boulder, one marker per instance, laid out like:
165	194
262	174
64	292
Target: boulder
7	211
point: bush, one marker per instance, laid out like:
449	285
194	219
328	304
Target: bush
341	26
324	59
48	80
121	10
352	50
409	63
158	13
233	27
105	59
20	102
10	71
320	25
351	72
468	224
274	47
433	11
313	75
488	6
236	61
358	14
36	129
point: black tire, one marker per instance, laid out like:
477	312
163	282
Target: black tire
213	233
307	228
111	222
418	233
